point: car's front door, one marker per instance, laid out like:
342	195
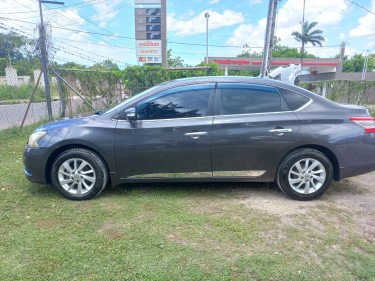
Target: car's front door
252	130
171	136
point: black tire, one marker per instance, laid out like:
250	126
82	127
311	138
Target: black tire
287	173
92	178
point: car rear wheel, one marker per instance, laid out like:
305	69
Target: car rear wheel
79	174
305	174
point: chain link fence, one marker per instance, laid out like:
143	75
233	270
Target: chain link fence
23	98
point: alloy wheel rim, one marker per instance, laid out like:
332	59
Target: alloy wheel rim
307	176
76	176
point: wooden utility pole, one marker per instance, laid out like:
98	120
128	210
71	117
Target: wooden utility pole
164	33
269	38
42	39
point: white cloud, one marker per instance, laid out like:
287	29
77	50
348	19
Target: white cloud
366	24
214	1
106	9
197	24
254	2
288	20
342	36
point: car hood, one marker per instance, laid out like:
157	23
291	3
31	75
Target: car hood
65	122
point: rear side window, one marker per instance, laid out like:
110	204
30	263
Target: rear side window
249	100
170	105
293	99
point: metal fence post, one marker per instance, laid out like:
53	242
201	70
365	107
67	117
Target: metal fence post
61	94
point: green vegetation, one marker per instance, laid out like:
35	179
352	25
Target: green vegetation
22	92
172	232
356	62
18	51
345	91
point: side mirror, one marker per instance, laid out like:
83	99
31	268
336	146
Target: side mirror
130	114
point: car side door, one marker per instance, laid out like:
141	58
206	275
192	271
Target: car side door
252	130
171	136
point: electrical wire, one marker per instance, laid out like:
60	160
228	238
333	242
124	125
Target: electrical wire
364	8
172	42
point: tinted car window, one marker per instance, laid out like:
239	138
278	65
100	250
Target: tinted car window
190	103
242	101
293	99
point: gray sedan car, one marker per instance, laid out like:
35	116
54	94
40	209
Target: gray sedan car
207	129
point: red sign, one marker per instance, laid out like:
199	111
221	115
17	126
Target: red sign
149	44
228	61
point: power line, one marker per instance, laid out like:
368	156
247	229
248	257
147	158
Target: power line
172	42
69	22
364	8
80	3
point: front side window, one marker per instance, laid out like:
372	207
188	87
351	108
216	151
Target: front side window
174	104
247	100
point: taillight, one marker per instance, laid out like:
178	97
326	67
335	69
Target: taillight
366	122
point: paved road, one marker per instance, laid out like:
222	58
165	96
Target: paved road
12	114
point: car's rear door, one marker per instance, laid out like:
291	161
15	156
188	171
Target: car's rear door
253	128
171	136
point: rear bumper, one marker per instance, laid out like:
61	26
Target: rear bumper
35	160
360	159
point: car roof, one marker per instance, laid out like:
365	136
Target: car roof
225	79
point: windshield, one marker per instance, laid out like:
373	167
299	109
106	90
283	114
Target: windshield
129	100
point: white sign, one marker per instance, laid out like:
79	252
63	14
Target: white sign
148	51
147	2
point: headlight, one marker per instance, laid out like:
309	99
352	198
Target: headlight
35	137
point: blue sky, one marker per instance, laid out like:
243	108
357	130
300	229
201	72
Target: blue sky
233	23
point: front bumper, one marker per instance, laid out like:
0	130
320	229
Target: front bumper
35	162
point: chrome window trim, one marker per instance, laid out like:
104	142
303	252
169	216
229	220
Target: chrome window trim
223	174
249	173
174	175
183	118
261	113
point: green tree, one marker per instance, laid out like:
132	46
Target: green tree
106	65
174	61
310	35
356	62
18	51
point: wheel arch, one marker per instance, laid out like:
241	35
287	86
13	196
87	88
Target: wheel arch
66	147
326	151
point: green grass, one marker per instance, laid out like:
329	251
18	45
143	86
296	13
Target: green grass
22	93
167	232
372	112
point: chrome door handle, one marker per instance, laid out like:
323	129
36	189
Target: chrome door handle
196	135
280	131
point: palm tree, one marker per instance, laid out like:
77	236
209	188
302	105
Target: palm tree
309	36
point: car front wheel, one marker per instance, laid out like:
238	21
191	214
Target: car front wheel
305	174
79	174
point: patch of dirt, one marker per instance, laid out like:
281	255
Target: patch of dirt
114	235
110	205
111	230
49	223
108	226
348	206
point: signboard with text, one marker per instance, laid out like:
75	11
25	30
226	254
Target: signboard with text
148	51
150	32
